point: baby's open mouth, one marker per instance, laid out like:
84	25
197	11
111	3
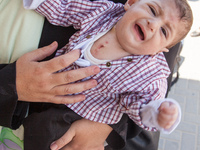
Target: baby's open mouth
139	31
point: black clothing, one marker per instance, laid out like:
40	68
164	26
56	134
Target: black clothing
8	94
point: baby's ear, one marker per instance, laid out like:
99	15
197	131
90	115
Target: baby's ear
164	50
129	3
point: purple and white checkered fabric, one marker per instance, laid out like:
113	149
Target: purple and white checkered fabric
125	84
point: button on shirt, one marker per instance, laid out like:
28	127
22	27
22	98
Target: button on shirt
124	85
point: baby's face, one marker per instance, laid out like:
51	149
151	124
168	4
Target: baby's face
148	26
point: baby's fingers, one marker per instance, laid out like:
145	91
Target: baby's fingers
168	114
168	108
166	120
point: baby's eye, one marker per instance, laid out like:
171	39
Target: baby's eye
164	31
152	10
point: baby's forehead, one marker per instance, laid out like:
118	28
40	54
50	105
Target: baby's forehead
166	7
179	16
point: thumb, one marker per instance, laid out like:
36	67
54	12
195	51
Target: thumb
43	52
64	140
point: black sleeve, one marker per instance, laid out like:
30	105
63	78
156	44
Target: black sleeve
11	111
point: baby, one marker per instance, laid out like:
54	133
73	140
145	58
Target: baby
127	42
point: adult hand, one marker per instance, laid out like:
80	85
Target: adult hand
83	135
37	81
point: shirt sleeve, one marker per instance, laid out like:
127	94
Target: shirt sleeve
32	4
67	12
10	109
149	115
134	102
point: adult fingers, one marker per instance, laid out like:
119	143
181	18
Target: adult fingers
70	147
41	53
65	139
67	99
73	75
62	61
74	87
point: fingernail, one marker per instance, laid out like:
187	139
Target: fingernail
54	146
93	83
53	44
82	97
96	70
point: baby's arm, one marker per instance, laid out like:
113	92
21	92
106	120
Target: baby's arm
57	12
64	12
165	115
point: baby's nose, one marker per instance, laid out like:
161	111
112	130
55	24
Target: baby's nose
153	24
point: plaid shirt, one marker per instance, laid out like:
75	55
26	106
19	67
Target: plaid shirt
124	85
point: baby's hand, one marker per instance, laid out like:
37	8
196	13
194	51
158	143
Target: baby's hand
168	114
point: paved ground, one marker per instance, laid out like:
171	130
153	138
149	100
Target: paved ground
187	93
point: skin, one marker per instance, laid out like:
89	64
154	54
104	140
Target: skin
38	82
159	29
89	139
147	28
159	26
168	113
